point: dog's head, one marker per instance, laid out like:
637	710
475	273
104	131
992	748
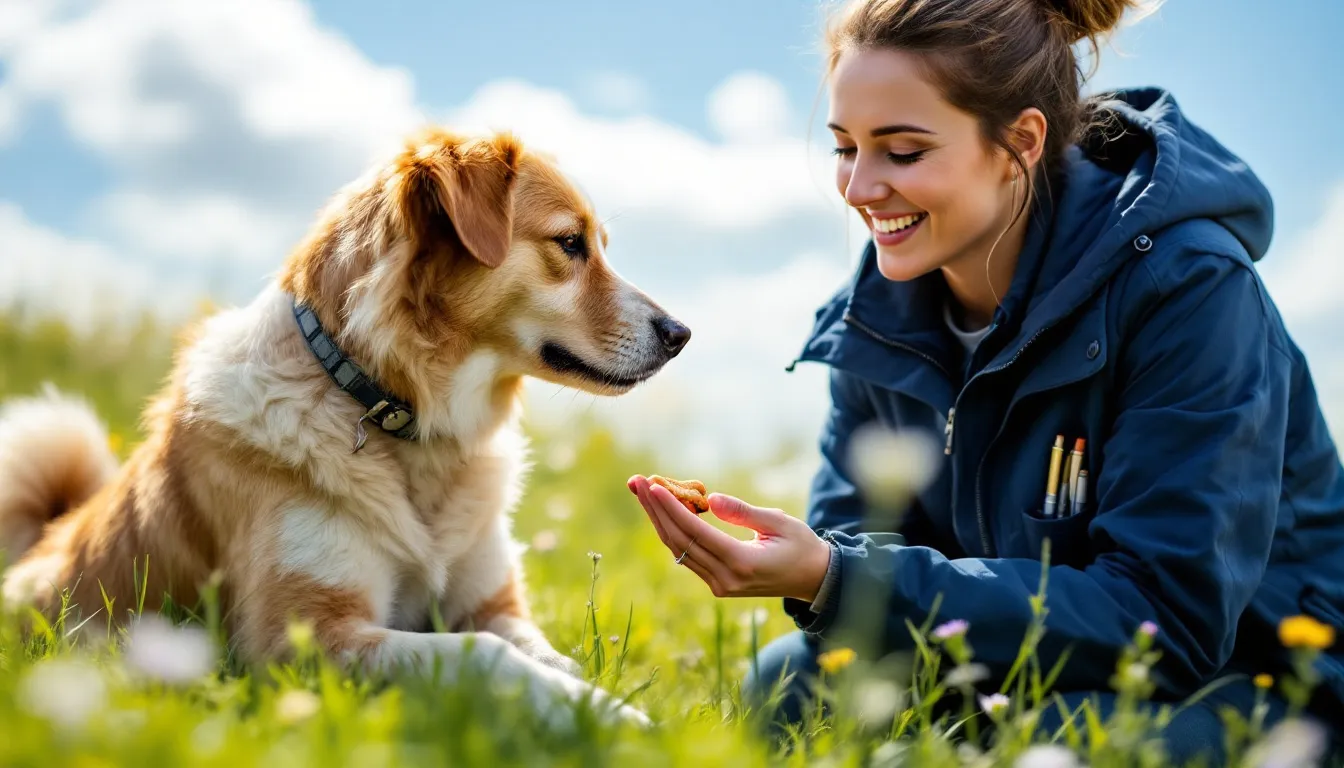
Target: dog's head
471	262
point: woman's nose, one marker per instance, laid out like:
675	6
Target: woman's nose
865	187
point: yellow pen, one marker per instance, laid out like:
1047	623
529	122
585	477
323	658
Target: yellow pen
1071	477
1052	480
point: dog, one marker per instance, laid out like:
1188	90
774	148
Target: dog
345	450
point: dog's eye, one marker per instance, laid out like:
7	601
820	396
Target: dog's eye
572	245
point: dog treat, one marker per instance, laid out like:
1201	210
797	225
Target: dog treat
692	493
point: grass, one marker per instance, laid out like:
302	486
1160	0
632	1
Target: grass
602	587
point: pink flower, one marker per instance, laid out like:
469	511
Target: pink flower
954	628
1148	628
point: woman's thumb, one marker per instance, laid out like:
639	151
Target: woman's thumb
738	512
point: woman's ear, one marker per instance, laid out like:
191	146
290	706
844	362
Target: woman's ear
463	188
1027	135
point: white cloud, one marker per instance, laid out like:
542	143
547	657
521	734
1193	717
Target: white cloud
85	281
206	229
1305	279
639	162
9	115
124	73
226	123
19	20
749	107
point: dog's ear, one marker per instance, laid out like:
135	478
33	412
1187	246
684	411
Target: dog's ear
462	188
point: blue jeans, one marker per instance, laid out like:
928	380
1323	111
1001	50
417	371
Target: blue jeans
1198	729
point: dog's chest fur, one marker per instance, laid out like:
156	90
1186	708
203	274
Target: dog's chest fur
406	523
463	506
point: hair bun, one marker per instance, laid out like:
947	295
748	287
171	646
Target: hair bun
1083	19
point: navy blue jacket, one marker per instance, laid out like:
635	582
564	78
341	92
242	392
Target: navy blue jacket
1136	320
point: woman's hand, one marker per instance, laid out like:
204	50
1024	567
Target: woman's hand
786	559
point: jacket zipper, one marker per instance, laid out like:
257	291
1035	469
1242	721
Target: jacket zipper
948	431
980	467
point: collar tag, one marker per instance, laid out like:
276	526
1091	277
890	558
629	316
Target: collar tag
386	412
361	436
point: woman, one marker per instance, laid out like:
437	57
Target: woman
1045	268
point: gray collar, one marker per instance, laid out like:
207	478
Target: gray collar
390	414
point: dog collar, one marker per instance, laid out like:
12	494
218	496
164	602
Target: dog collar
390	414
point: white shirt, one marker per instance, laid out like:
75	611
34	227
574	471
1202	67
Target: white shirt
968	339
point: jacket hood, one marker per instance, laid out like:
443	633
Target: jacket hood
1171	171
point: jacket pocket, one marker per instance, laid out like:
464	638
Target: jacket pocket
1069	542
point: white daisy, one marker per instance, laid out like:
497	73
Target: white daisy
66	692
161	651
1047	756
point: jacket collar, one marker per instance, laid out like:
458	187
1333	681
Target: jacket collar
909	314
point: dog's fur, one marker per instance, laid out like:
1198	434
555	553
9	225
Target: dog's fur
445	274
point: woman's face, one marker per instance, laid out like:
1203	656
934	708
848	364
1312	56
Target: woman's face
915	167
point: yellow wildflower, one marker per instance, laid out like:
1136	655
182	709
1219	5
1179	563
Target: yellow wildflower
1305	632
836	660
1264	682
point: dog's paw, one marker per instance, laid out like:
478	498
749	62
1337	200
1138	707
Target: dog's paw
560	696
633	717
611	711
557	660
543	653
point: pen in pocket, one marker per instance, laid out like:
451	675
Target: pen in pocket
1052	480
1065	494
1080	496
1071	477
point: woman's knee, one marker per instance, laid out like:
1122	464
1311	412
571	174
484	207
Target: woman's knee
791	658
791	654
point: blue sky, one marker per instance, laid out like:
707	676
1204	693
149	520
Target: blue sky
179	148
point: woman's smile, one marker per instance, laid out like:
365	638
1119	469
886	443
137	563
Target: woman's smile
893	229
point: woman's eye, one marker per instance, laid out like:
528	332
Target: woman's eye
572	245
844	151
905	159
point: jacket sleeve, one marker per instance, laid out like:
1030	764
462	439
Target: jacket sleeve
1186	505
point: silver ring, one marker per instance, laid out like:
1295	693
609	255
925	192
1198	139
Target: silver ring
684	554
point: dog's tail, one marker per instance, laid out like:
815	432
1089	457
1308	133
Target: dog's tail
54	455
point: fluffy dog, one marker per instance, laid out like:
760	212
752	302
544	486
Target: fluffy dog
345	449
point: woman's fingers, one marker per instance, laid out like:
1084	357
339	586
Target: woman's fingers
679	541
738	512
720	544
684	533
715	586
641	488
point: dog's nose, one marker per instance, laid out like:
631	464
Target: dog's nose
672	334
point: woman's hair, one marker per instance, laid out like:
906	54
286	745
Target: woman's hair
992	58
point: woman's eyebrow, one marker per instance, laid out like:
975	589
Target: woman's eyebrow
886	130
